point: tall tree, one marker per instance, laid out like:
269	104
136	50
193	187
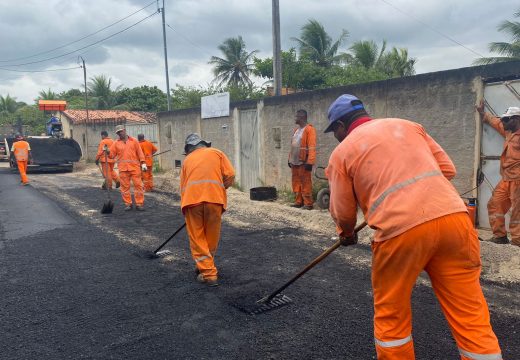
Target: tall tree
143	98
365	53
317	46
507	51
8	104
100	87
235	67
47	95
396	63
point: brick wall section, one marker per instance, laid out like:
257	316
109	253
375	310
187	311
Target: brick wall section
443	102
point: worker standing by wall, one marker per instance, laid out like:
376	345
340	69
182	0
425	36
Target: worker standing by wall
399	176
506	194
107	164
22	153
301	159
130	161
205	175
148	150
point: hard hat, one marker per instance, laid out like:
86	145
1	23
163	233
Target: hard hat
120	128
342	106
511	111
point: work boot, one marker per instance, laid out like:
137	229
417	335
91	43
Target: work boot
209	282
118	184
499	240
139	208
128	207
296	205
308	207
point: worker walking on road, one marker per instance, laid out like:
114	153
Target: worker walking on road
506	194
148	150
22	153
107	163
400	178
205	175
130	161
301	159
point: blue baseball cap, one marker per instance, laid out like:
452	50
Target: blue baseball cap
341	107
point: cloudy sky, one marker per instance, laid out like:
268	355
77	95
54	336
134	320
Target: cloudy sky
38	35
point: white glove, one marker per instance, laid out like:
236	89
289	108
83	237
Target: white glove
144	167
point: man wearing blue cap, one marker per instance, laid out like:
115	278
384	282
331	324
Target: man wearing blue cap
399	177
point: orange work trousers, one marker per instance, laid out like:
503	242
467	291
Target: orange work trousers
22	168
203	225
109	174
506	195
148	179
302	185
135	176
448	249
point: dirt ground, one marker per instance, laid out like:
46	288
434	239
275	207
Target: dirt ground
265	243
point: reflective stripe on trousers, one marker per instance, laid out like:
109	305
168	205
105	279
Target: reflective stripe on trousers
474	356
401	185
393	343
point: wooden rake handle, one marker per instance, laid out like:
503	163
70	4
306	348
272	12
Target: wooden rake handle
313	263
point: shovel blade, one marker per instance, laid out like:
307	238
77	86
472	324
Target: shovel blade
108	207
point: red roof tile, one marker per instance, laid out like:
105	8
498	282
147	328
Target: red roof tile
80	116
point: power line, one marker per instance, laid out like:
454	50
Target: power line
189	41
39	71
432	28
83	38
87	46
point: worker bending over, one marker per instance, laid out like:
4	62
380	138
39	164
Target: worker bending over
301	159
130	162
107	167
399	176
506	194
205	175
22	154
148	150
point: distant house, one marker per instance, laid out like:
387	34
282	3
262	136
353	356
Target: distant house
87	131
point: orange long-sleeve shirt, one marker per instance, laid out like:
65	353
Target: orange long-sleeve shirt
396	173
128	154
148	150
510	157
205	175
100	153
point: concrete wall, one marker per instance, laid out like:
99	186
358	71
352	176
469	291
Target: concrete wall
443	102
88	137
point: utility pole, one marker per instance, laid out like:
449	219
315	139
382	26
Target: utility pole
277	61
86	104
166	59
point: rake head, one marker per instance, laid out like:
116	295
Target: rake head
159	254
264	305
108	207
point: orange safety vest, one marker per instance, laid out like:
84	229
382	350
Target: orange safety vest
101	154
128	155
148	150
510	157
21	150
307	145
205	175
397	174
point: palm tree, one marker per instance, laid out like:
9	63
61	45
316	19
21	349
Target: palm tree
397	64
99	87
508	51
366	53
316	45
236	65
47	95
8	104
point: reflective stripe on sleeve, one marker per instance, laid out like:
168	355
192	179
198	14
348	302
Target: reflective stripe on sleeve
401	185
202	258
393	343
475	356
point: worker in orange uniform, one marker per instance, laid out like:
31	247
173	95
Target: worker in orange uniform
22	153
205	175
130	162
301	159
506	194
108	163
148	150
400	178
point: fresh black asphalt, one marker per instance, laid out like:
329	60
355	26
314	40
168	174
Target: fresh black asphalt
70	290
